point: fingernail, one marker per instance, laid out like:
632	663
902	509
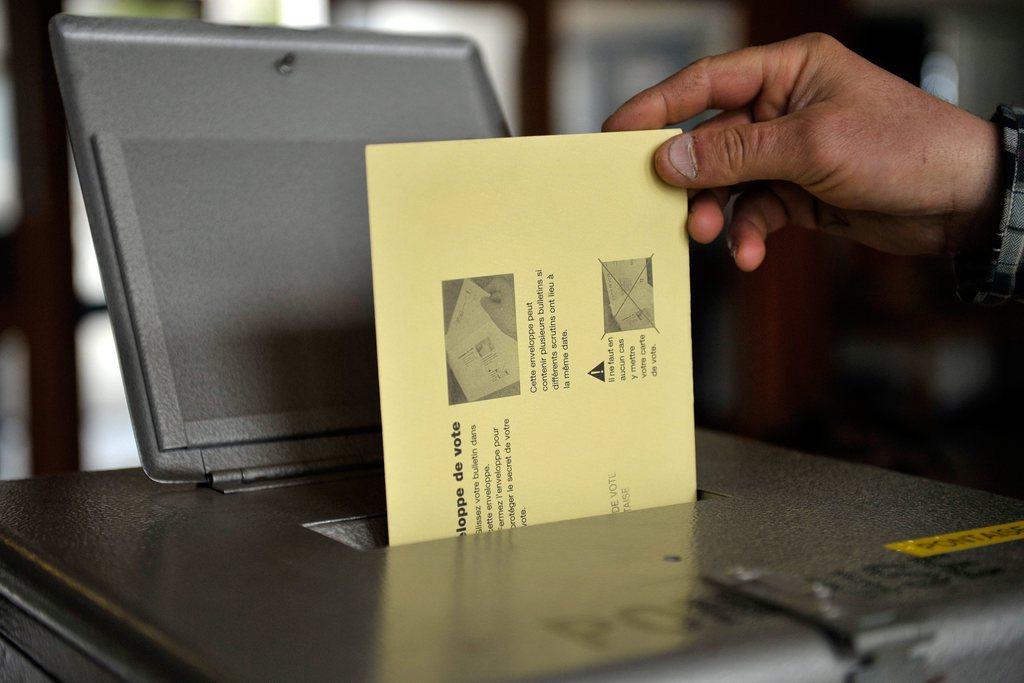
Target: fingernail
731	246
680	155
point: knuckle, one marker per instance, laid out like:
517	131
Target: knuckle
700	66
808	136
647	96
650	99
743	205
735	149
761	207
821	42
799	129
821	139
695	77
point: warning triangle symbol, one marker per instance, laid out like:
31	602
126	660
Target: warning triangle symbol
598	371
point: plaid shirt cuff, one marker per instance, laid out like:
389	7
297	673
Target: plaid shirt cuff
1000	276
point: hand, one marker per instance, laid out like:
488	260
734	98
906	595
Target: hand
501	305
815	136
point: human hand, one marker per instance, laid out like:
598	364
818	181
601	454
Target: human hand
814	135
501	305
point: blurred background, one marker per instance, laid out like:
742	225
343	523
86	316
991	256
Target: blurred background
829	347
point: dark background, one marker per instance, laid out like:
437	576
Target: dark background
829	347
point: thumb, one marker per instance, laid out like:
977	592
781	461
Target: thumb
717	157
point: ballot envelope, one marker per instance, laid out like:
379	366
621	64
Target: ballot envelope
222	169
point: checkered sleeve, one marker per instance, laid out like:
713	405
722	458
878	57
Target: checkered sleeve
999	277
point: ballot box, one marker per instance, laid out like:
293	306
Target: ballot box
778	573
222	171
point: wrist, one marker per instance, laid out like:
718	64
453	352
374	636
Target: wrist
979	192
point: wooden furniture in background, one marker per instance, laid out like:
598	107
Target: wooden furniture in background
41	298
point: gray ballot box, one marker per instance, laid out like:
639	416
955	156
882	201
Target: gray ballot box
222	171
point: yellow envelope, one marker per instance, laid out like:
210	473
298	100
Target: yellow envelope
533	331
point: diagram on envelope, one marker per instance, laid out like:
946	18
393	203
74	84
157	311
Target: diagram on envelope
483	359
628	294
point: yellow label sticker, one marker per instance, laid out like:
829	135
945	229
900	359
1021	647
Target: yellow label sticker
960	540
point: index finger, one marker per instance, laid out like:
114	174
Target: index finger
734	80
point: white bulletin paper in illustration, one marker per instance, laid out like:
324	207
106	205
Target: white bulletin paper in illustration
482	357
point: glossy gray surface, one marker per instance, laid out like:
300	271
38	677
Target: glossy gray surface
178	581
227	200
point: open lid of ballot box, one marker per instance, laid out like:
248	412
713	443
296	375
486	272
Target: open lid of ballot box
223	175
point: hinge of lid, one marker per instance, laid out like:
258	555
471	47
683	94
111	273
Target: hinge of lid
258	478
883	643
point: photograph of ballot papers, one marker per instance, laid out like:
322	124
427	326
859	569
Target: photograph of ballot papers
480	338
628	287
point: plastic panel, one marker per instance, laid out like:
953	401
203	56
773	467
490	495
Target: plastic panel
226	196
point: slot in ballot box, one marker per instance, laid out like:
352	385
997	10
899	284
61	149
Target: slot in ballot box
222	170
